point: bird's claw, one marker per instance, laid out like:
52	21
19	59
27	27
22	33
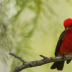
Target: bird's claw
63	56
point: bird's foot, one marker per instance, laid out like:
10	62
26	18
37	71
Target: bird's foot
63	56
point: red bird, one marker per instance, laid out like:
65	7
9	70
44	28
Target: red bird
64	45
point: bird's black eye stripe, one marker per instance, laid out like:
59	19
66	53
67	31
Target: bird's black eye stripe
71	25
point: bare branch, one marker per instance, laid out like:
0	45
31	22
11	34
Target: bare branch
40	62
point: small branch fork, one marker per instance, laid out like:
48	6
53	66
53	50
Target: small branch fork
38	62
17	57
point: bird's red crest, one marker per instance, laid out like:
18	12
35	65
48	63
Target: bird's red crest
67	22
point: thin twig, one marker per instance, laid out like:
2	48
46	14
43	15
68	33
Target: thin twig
17	57
43	56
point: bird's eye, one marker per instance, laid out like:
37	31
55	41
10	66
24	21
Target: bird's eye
71	24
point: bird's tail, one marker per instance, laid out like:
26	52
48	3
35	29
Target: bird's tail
58	65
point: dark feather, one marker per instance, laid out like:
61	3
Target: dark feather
59	42
58	65
68	61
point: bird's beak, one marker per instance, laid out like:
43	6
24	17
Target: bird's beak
67	28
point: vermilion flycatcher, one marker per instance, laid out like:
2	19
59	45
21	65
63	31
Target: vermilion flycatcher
64	45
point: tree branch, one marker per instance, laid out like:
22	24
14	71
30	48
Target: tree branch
39	62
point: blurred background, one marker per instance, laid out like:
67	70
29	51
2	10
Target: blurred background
29	28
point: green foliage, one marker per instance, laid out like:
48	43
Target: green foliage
24	24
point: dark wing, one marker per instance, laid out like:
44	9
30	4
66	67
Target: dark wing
59	43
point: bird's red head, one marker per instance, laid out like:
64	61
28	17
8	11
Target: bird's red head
68	24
